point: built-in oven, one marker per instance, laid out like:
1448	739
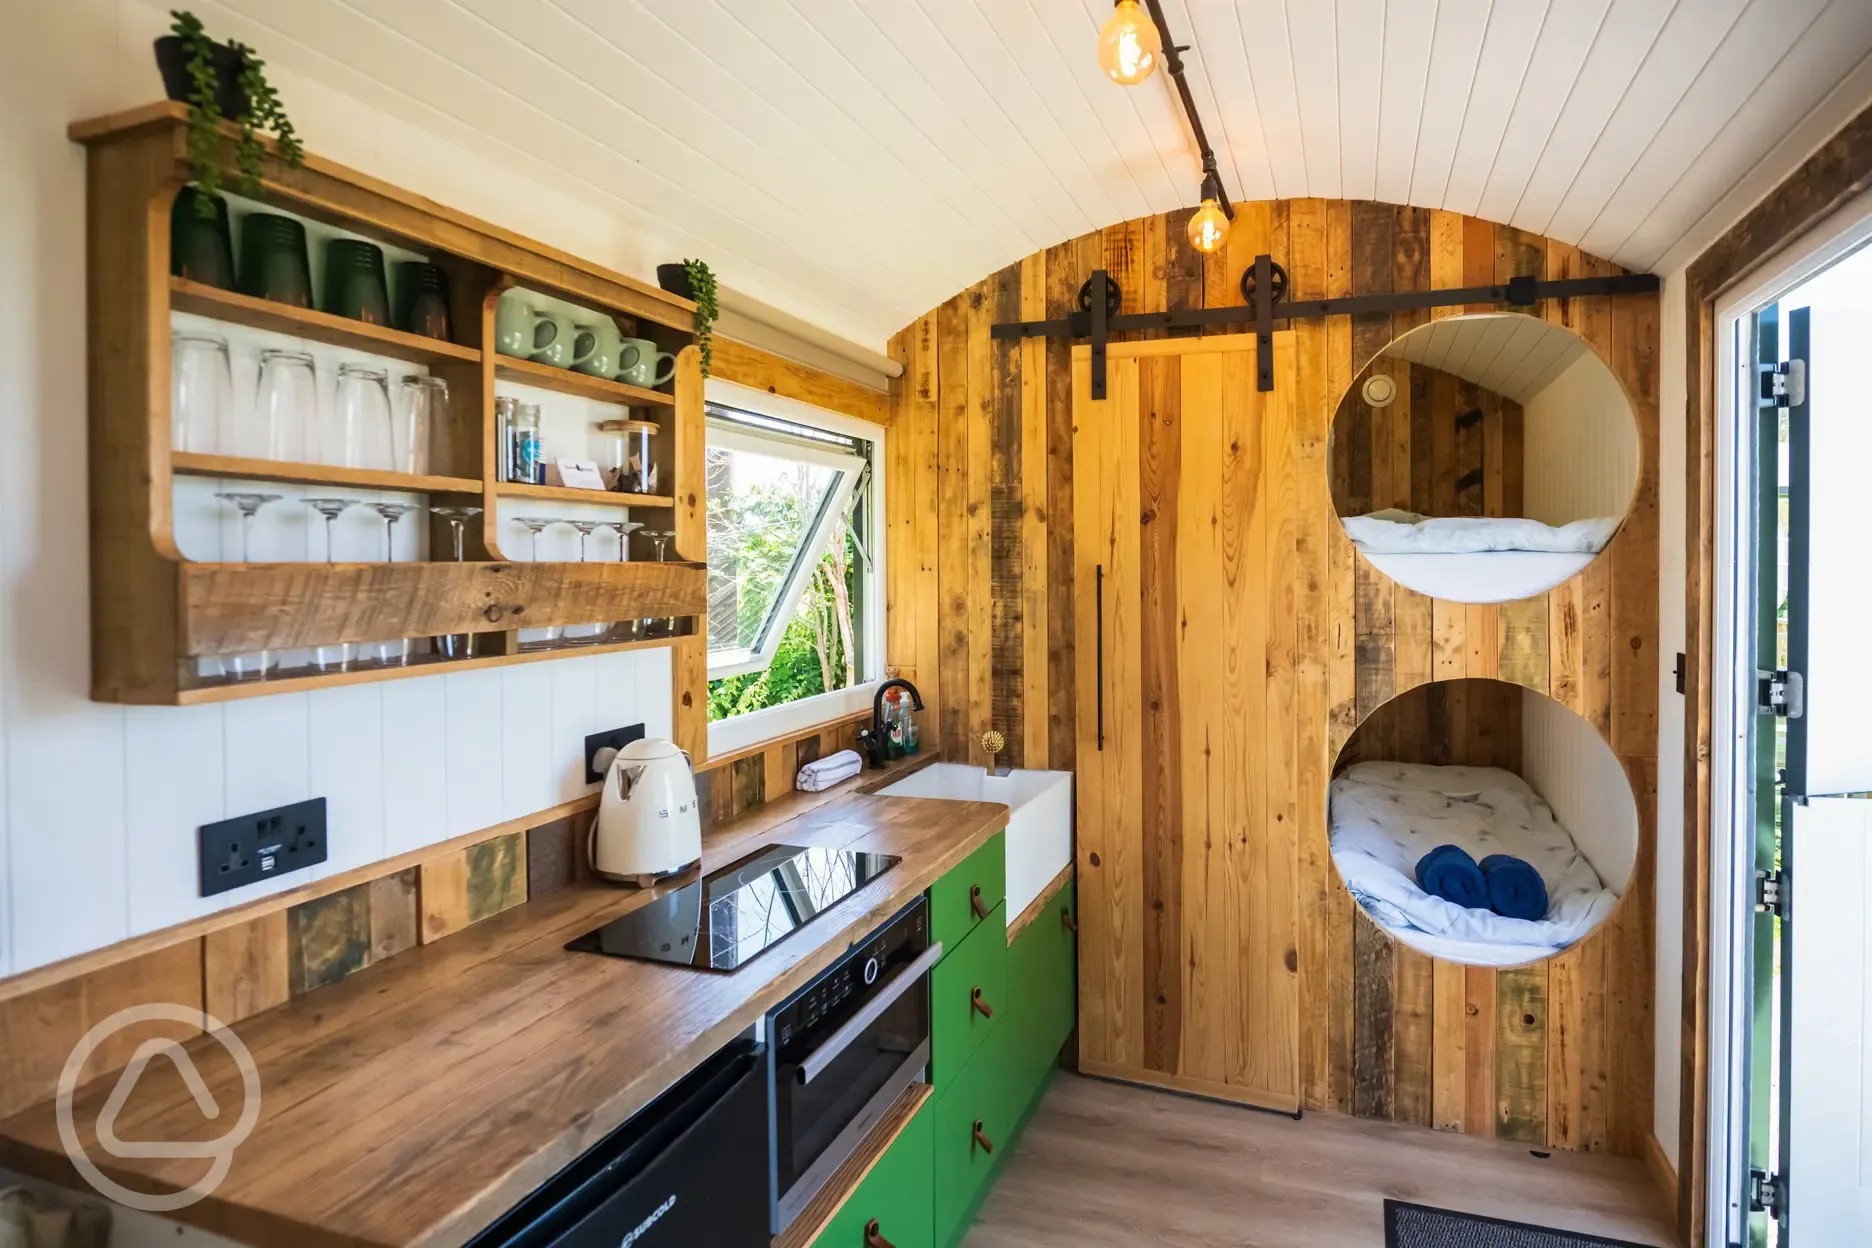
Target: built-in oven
842	1049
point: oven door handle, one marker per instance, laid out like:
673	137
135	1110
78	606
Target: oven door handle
814	1063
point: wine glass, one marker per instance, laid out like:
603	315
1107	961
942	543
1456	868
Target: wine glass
456	645
659	542
201	396
256	664
585	634
422	402
333	656
626	630
359	433
285	402
548	637
389	653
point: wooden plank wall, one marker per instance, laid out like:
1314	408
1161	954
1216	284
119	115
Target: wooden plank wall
1444	447
1557	1055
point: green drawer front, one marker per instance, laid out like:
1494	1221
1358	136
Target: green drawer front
982	1093
953	912
1043	977
957	1027
896	1194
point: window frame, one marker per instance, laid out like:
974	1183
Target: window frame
742	732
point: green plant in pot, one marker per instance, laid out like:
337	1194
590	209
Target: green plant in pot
223	82
694	280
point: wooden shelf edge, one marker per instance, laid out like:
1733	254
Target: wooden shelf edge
241	468
1040	904
568	381
228	305
819	1212
567	494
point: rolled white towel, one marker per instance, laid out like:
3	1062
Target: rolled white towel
823	773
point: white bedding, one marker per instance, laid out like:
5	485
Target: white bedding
1394	531
1386	816
1492	576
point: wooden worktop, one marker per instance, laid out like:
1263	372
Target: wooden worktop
416	1101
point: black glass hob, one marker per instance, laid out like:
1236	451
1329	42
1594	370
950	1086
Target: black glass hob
723	921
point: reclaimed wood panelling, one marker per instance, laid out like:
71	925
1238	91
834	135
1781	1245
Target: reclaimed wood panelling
1380	1031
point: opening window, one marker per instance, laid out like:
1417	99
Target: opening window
790	560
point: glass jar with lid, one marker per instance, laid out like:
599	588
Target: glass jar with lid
622	449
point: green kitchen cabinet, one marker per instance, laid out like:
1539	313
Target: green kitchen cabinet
962	899
1042	981
968	997
896	1201
975	1120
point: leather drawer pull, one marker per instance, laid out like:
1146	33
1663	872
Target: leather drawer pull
975	902
873	1239
1068	922
978	1005
982	1139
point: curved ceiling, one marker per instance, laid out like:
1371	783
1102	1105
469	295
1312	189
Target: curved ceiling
855	162
1508	353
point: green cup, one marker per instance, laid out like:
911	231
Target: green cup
520	328
641	364
354	281
201	248
274	264
422	299
561	349
599	347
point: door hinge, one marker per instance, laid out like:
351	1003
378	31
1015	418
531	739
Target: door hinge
1783	384
1781	692
1767	1192
1768	894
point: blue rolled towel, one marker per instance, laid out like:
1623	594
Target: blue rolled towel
1515	889
1450	873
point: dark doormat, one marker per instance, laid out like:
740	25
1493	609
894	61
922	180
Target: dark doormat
1420	1226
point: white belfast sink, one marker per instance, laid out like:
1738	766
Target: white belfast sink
1039	831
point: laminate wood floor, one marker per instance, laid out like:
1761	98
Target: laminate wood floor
1108	1166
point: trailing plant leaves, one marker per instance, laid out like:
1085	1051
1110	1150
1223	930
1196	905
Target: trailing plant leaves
702	291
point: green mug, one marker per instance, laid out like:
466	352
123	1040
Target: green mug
201	249
354	281
274	264
641	364
598	346
561	349
521	328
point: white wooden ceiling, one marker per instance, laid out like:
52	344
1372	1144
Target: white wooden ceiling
855	162
1508	353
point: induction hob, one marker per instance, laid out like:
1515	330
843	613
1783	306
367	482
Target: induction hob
723	921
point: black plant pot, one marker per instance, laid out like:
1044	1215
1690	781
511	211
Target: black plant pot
675	279
172	59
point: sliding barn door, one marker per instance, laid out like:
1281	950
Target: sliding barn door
1185	503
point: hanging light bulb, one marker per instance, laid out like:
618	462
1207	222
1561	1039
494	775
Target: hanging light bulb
1129	46
1208	226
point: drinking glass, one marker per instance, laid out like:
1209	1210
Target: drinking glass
421	403
585	634
388	653
333	656
285	404
201	391
659	541
256	664
456	645
548	637
626	630
360	421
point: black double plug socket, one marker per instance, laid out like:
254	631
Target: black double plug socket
249	848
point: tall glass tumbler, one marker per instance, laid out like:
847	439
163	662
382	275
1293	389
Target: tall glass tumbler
358	433
201	399
422	403
285	408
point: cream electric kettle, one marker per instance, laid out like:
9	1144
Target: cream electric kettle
648	824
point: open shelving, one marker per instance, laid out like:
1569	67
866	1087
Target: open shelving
156	614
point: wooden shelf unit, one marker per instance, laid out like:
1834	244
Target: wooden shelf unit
155	613
598	498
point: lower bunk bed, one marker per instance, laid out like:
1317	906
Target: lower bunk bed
1386	816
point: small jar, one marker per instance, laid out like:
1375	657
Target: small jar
528	459
504	408
624	447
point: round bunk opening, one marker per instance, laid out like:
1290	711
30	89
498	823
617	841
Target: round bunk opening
1482	822
1484	458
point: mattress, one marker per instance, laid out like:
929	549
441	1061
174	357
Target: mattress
1477	558
1386	815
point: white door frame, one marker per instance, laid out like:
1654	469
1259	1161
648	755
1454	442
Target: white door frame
1731	848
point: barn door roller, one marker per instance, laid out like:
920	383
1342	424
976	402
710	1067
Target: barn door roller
1265	295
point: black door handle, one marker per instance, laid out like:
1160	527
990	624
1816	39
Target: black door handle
1099	645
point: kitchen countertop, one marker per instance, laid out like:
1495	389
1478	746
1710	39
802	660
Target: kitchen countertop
416	1101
